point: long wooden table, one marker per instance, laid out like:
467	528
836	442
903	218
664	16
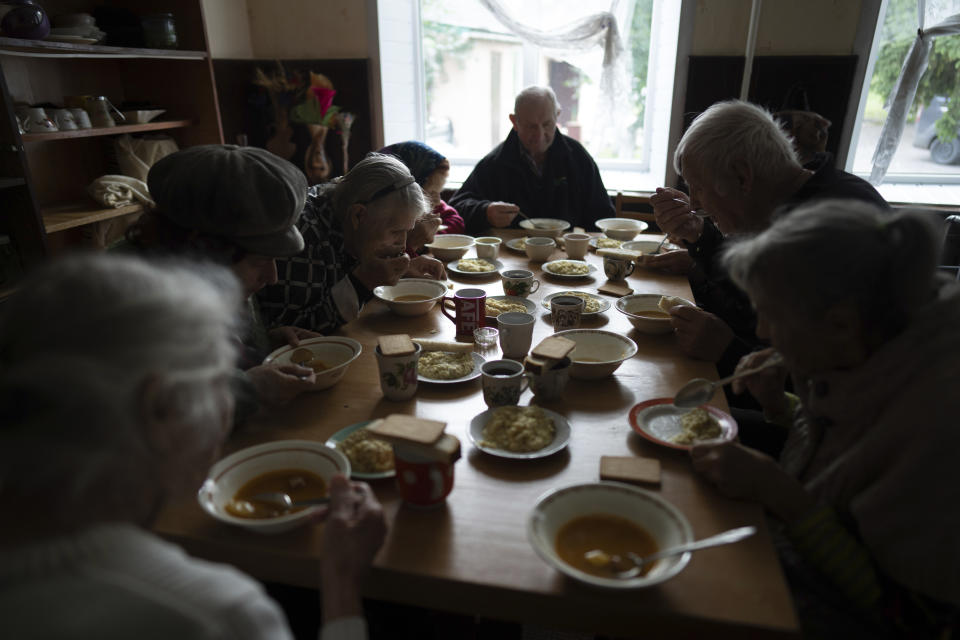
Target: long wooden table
471	555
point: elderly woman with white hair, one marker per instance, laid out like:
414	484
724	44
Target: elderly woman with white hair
355	229
740	166
867	484
114	397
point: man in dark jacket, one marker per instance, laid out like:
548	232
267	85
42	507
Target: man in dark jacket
536	170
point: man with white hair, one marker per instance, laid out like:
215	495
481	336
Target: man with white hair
537	170
741	168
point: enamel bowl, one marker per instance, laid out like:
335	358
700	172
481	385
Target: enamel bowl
451	246
230	474
621	228
336	352
598	353
663	521
432	289
634	306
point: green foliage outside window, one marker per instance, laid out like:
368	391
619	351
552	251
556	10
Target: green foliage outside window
941	77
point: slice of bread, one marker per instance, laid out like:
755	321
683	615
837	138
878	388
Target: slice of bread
669	302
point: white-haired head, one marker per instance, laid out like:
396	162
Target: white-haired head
736	134
841	252
379	181
93	350
536	94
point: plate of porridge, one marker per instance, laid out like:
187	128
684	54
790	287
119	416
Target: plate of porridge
517	244
592	305
474	267
660	422
446	367
603	242
503	304
370	458
519	432
568	269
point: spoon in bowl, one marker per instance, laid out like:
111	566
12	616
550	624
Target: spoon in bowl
727	537
284	501
530	220
699	390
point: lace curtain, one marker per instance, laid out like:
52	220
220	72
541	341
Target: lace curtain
901	97
595	31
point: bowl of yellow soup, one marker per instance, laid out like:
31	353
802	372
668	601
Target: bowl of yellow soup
645	314
300	468
581	530
598	353
411	296
328	356
450	246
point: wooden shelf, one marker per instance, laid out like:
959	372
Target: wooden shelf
106	131
17	46
7	183
76	215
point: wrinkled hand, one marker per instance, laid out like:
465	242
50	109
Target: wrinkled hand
700	334
426	267
676	218
501	214
676	262
382	266
423	231
767	385
290	335
276	385
745	473
353	532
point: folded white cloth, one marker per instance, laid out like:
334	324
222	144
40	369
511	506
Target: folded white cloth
119	191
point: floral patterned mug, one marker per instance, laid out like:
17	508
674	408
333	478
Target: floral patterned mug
519	282
503	381
398	374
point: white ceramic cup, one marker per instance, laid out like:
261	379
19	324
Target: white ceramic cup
566	312
64	120
503	381
550	384
398	374
516	333
488	247
519	282
539	249
38	122
576	245
81	118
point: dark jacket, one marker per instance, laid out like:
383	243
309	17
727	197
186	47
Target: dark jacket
720	296
569	189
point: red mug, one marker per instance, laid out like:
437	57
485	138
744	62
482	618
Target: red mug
423	480
471	310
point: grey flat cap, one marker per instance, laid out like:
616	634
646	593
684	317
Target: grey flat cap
245	194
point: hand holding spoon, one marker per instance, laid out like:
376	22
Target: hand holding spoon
699	390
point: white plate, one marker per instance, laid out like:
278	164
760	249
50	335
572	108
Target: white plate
594	242
648	246
72	39
604	304
340	436
452	268
529	304
561	437
478	361
516	244
659	421
546	269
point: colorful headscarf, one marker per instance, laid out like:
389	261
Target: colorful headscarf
419	158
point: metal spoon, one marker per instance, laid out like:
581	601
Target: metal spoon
700	213
283	501
530	220
727	537
660	246
699	390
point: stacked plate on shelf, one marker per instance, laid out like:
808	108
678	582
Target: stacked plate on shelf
75	28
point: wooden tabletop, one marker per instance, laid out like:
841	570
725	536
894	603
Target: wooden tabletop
471	555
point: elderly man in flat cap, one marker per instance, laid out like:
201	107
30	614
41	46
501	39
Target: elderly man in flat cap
235	206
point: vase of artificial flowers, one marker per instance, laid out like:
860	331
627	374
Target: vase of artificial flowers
318	112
